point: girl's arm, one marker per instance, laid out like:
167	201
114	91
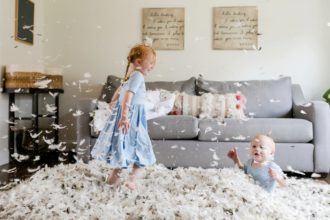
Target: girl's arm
232	154
123	121
114	98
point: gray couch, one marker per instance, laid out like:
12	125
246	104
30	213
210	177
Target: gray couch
301	129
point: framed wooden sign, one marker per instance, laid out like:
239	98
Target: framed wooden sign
24	21
164	28
235	28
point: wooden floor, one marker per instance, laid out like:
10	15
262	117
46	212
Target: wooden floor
16	171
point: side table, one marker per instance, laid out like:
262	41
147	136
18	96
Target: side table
35	115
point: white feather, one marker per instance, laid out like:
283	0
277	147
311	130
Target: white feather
78	191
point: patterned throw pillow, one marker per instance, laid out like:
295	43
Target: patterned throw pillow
208	105
219	106
213	106
235	105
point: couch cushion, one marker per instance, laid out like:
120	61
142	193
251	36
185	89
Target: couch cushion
283	130
173	127
109	88
186	86
265	98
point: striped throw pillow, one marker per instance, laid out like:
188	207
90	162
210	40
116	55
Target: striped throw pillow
186	104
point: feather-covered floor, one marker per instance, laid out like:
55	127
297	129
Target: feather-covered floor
78	191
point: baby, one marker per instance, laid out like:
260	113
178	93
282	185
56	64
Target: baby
260	166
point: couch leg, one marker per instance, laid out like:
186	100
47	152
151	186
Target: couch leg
328	178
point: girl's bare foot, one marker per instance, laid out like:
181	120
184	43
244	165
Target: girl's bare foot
130	185
113	178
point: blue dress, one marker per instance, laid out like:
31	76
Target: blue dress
121	150
261	175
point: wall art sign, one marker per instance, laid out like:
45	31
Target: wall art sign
164	28
235	28
24	21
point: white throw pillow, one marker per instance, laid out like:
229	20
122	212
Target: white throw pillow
152	97
158	103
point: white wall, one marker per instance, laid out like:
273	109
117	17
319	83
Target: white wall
95	36
14	52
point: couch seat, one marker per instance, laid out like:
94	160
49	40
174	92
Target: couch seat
285	130
173	127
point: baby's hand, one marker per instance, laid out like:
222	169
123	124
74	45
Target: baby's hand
232	154
278	178
272	173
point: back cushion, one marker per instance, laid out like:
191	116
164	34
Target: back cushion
186	86
109	88
265	98
113	82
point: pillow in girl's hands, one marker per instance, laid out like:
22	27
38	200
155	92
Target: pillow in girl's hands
158	103
102	105
100	116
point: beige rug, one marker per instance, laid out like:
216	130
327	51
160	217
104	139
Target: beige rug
77	191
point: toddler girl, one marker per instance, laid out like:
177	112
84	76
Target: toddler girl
261	167
124	140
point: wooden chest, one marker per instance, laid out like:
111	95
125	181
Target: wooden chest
24	80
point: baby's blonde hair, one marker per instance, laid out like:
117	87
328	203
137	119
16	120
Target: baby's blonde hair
139	51
262	137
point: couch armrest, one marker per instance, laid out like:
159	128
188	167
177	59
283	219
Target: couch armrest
317	112
83	128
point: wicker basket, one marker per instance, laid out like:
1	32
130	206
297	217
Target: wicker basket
25	80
